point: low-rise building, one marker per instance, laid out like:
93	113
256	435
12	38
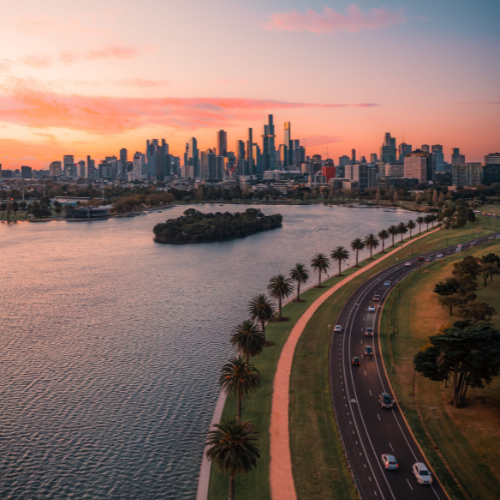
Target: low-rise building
467	174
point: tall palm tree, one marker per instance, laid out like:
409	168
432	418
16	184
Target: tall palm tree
239	377
263	310
357	244
339	254
383	235
402	230
371	242
280	288
411	225
393	230
233	448
321	263
420	221
427	221
247	337
433	219
299	274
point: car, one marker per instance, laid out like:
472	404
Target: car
368	351
459	246
371	308
498	236
491	237
473	244
427	259
338	328
385	400
408	264
369	332
420	258
439	256
390	462
356	361
376	297
421	473
458	250
387	283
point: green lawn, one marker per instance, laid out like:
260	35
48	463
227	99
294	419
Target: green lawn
468	437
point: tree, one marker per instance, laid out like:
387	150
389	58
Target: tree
469	353
233	449
320	262
488	270
393	230
22	206
466	286
402	230
490	258
263	310
427	221
395	197
339	254
58	207
377	196
411	226
434	198
299	274
420	221
477	311
383	235
280	288
447	287
15	207
371	242
357	244
248	338
452	301
239	378
468	265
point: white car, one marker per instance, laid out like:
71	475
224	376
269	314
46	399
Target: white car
390	462
408	264
338	328
421	473
387	283
371	309
439	256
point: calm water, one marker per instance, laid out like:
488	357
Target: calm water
111	344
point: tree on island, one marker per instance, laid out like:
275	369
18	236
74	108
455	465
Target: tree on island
411	226
280	287
402	230
393	231
320	262
233	449
263	310
339	254
357	244
299	274
248	338
371	242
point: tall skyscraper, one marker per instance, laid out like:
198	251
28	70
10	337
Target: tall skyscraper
418	164
81	169
456	157
388	149
426	148
55	168
404	149
288	144
438	157
353	156
373	158
68	164
250	160
240	156
193	158
268	147
222	143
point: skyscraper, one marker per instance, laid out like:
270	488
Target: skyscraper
373	158
425	148
404	149
456	157
353	156
388	149
250	161
438	155
240	156
222	143
288	144
418	164
193	158
69	164
268	147
492	159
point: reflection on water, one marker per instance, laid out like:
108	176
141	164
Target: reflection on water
111	344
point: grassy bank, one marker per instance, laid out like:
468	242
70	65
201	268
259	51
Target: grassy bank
461	443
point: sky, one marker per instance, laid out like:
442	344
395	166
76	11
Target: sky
93	77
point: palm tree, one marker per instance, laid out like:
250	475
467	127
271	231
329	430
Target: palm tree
339	254
411	225
383	235
433	218
280	288
357	244
420	221
299	274
233	449
321	263
248	338
402	229
371	242
427	221
263	310
239	377
393	230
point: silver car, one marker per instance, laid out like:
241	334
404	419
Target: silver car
421	473
390	462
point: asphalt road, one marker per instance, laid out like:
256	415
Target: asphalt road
368	431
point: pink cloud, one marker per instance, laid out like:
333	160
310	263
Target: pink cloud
330	21
321	140
35	107
112	51
43	25
37	61
141	82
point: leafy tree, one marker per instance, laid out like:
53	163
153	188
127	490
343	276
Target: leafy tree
320	262
488	270
402	230
491	258
357	244
22	205
447	287
383	235
468	353
466	286
420	221
452	301
371	242
411	226
299	274
263	310
248	338
393	231
15	207
280	288
427	221
233	449
477	311
339	254
468	265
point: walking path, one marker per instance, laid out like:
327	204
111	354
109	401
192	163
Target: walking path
281	477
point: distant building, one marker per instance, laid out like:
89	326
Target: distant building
269	150
418	165
491	174
344	160
467	174
69	168
492	159
86	213
456	157
388	149
373	158
55	168
328	173
222	143
394	170
426	148
404	149
240	157
438	157
81	169
26	172
340	171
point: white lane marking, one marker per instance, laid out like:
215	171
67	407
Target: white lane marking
391	446
370	393
408	481
369	478
379	417
364	465
365	373
360	341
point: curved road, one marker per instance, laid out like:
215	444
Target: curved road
367	430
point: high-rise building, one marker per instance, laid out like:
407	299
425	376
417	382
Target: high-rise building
268	146
193	159
394	170
250	159
373	158
359	173
328	172
388	149
287	141
438	157
491	174
418	165
426	148
344	160
240	157
55	168
26	172
404	149
222	143
456	157
467	174
353	156
81	169
492	159
220	164
158	159
137	167
69	165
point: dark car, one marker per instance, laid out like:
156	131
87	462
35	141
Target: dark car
368	351
385	400
356	361
421	258
376	297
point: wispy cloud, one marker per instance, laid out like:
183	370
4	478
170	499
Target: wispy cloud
330	21
321	140
480	102
43	25
29	104
37	61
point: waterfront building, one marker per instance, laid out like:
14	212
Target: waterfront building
222	143
268	145
456	157
492	159
388	149
467	174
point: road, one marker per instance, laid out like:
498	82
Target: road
368	431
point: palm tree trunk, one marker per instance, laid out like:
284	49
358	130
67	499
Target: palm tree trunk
279	304
240	397
263	326
383	245
231	487
319	275
298	291
371	251
392	240
340	270
357	253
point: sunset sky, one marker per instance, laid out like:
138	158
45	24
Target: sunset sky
92	77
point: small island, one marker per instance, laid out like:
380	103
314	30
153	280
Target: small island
197	227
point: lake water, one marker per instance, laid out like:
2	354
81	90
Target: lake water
111	344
